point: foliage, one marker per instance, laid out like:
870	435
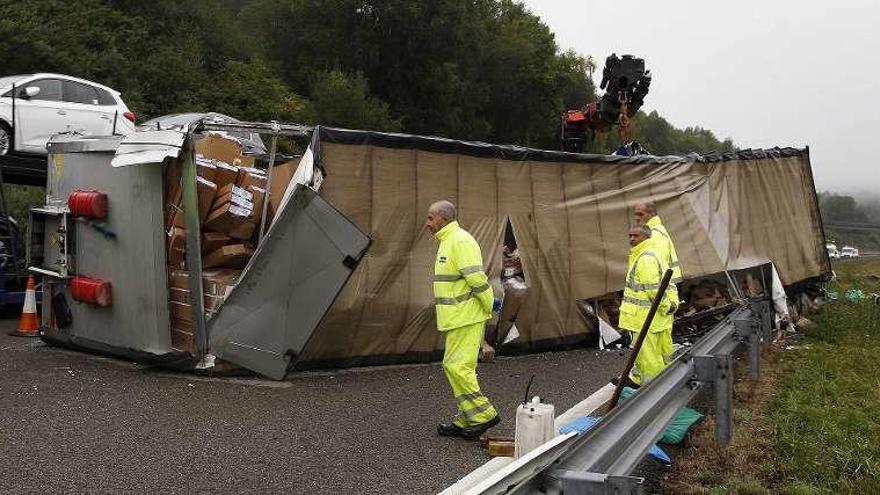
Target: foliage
342	100
482	70
659	137
842	208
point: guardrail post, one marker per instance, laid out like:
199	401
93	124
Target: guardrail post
747	330
719	371
583	483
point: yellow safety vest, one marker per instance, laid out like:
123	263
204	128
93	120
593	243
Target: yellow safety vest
643	275
664	247
462	295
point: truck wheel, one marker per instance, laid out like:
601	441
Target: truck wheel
5	139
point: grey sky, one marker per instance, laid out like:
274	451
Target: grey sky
764	73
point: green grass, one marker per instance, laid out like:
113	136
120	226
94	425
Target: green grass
811	424
827	414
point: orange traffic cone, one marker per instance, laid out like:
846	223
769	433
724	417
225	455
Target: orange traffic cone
28	326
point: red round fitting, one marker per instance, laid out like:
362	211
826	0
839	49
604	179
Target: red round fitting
91	290
91	204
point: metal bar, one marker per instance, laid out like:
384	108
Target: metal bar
723	383
294	130
619	442
268	192
580	483
755	356
622	438
193	247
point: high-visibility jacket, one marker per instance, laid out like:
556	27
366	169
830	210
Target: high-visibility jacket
462	295
643	275
664	247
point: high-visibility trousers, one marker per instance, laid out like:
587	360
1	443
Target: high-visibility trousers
667	345
460	366
650	361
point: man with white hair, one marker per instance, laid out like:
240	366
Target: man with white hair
463	301
646	214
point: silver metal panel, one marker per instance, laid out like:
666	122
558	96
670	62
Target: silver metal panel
72	143
148	147
134	262
288	286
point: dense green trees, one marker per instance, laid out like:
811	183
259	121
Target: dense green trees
481	70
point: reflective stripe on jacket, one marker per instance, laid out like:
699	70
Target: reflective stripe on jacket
462	295
643	276
665	249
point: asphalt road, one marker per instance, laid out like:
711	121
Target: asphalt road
76	422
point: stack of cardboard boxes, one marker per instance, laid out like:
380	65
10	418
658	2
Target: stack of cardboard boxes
230	200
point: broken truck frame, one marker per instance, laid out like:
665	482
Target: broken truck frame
304	258
190	208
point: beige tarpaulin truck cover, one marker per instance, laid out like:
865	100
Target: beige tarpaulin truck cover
569	214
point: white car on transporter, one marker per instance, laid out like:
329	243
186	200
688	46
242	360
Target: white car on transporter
34	107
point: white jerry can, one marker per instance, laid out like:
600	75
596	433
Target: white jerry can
534	426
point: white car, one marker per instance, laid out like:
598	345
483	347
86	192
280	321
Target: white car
833	253
49	104
849	252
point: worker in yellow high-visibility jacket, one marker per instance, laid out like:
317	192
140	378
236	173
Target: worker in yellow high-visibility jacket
643	275
463	301
646	214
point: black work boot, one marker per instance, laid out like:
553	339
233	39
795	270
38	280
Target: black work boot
474	432
449	430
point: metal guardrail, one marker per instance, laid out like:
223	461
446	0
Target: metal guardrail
601	460
853	226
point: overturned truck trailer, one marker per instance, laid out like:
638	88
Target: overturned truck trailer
313	291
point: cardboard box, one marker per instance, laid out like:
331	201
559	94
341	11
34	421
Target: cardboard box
219	281
207	190
176	258
211	241
248	177
259	194
178	278
181	339
211	302
176	294
226	174
244	231
232	256
205	168
181	311
217	146
235	195
177	238
215	281
227	218
281	176
232	189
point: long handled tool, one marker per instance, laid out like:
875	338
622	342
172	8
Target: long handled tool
631	359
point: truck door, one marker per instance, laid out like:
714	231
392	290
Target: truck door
291	282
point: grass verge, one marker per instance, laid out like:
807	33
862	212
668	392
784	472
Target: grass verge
812	423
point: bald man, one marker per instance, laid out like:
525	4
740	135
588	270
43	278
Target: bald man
646	214
463	302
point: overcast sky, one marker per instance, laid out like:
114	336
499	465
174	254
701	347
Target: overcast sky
764	73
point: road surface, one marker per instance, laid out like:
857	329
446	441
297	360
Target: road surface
77	422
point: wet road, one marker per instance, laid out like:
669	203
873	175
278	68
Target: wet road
77	422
